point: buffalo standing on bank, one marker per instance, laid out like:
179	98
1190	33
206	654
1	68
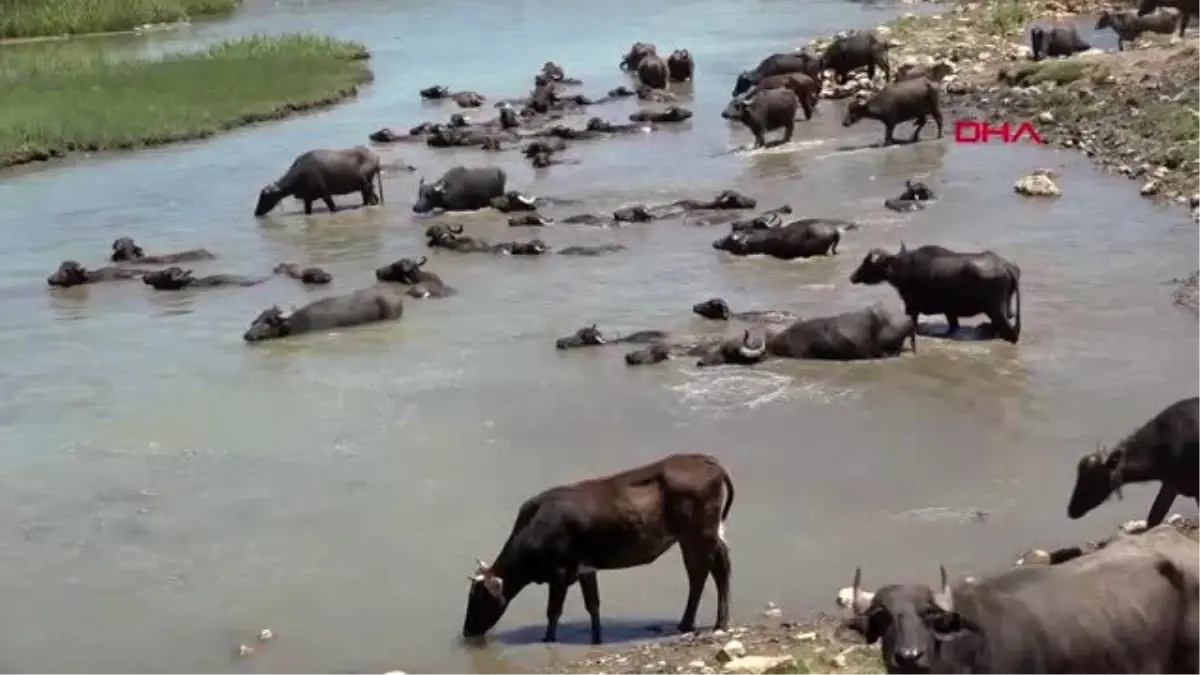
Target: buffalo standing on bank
898	102
323	174
854	51
767	111
778	64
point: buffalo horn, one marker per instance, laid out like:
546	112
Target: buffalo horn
854	604
944	599
749	353
422	262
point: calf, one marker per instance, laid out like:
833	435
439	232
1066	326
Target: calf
629	519
1129	27
408	271
936	280
1163	449
1058	41
898	102
767	111
1187	9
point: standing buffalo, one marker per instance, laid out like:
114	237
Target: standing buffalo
857	50
1187	10
807	89
803	238
652	71
898	102
321	174
124	249
1059	41
1129	27
778	64
1165	449
461	189
680	65
935	280
767	111
629	519
368	305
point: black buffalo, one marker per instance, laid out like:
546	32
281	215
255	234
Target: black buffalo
767	111
898	102
447	237
307	275
718	310
803	238
368	305
764	221
1187	9
177	279
912	199
807	90
1129	26
591	336
529	219
588	251
424	284
636	53
461	189
935	280
854	51
513	201
653	72
322	174
680	65
125	250
72	273
1058	41
670	114
778	64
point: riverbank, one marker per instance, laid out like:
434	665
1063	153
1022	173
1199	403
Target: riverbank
55	18
1132	112
63	101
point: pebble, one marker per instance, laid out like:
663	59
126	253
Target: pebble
772	611
1151	187
805	637
732	650
1045	117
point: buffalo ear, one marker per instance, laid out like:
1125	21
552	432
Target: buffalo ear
947	626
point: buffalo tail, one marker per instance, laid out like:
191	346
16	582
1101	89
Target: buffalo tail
379	181
1014	300
728	497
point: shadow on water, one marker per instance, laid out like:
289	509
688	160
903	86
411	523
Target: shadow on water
579	632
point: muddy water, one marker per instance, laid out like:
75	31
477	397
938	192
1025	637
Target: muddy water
169	491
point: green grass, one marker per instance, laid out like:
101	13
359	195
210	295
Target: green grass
54	101
41	18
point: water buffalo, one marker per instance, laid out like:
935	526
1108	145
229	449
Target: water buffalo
368	305
1129	26
321	174
723	200
307	275
636	53
408	271
1187	9
1127	608
624	520
447	137
461	189
671	113
718	310
652	71
858	50
447	237
912	199
435	93
767	111
803	238
590	336
546	147
766	220
467	99
124	249
513	201
598	124
778	64
552	72
869	333
935	280
529	219
680	65
1059	41
531	247
72	273
177	279
1164	449
895	103
933	72
807	90
389	135
567	133
598	249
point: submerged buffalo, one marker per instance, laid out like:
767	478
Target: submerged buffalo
1188	9
1058	41
124	249
461	189
447	237
514	201
870	333
718	310
636	53
803	238
857	50
898	102
670	114
408	271
935	280
680	65
307	275
653	72
766	220
767	111
591	336
778	64
72	273
322	174
912	199
177	279
368	305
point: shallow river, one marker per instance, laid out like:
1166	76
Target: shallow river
169	491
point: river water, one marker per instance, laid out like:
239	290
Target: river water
169	491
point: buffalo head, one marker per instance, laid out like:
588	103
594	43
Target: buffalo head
745	82
917	191
1097	477
435	92
268	198
169	279
742	242
875	267
552	71
69	273
531	247
856	110
458	121
588	336
486	601
674	113
315	275
636	53
742	351
124	248
270	324
732	199
403	271
444	236
713	308
735	109
430	196
910	620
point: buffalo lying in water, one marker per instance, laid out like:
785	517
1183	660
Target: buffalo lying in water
177	279
726	200
408	271
935	280
869	333
718	310
307	275
915	100
464	99
461	189
670	114
322	174
514	201
764	221
124	249
912	199
368	305
72	273
680	65
446	137
591	336
803	238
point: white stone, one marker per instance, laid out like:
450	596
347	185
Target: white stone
1149	189
1037	184
732	650
760	665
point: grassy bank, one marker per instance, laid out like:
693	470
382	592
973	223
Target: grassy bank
38	18
55	102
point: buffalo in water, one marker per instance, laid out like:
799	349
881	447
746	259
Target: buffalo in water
639	51
653	72
935	280
718	310
680	65
322	174
461	189
670	114
803	238
857	50
778	64
306	275
407	271
767	111
591	336
368	305
72	273
912	199
125	250
177	279
898	102
1058	41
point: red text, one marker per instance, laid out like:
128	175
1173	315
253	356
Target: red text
976	131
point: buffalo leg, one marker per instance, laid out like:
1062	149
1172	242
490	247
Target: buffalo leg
759	140
555	600
308	207
328	199
788	131
1162	504
937	119
722	571
920	124
888	129
698	561
368	195
951	324
1004	328
591	600
806	106
833	246
871	71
